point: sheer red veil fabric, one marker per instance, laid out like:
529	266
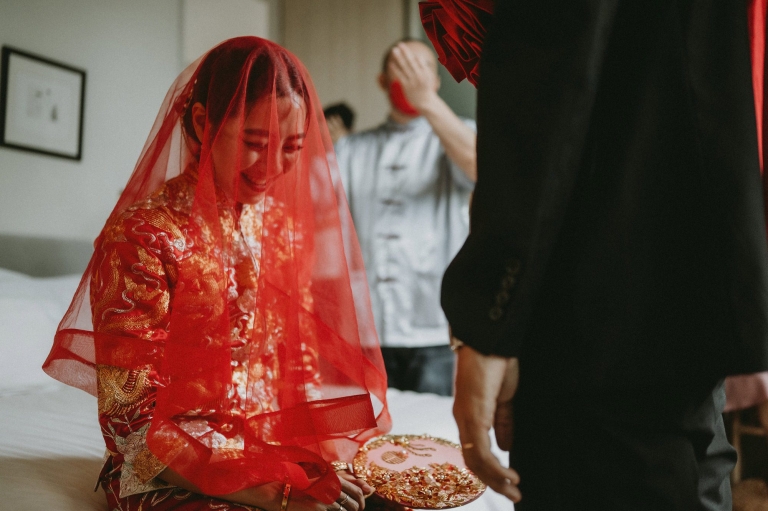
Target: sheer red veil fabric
309	274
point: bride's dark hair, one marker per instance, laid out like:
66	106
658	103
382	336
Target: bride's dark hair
217	78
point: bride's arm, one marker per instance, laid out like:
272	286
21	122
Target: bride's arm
266	496
269	497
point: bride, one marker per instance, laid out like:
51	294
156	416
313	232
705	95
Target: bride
224	321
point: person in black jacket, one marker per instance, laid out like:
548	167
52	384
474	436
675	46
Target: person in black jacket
616	267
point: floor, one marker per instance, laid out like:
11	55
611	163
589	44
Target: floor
750	495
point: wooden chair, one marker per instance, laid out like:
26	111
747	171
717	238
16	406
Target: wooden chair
738	429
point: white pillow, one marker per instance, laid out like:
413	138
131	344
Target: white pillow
30	311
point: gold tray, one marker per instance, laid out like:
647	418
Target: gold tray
417	471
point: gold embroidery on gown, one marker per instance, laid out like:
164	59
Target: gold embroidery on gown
131	291
120	389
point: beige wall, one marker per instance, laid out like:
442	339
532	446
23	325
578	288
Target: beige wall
341	42
205	23
130	51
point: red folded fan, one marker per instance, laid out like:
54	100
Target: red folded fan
457	30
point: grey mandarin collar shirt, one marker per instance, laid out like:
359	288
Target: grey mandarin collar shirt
409	203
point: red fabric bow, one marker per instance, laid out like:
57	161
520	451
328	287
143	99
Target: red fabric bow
456	29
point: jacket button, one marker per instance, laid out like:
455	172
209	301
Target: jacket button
502	297
496	313
513	266
507	282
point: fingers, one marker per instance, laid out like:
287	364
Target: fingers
408	68
343	503
416	65
366	488
504	426
510	381
396	68
480	382
404	58
481	461
503	422
352	497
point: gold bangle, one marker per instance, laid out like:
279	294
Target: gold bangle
286	495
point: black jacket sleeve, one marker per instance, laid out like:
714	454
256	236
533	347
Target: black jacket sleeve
540	66
618	224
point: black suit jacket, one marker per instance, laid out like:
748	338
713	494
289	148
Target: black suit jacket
617	232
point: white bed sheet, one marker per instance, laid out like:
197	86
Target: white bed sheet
50	452
51	447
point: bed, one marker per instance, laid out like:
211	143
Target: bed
50	445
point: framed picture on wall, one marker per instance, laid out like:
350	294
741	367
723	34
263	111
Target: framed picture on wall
41	105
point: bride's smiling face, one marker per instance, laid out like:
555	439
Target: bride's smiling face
244	162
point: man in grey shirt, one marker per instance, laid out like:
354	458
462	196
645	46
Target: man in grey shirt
408	183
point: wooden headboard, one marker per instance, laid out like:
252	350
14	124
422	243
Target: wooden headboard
44	257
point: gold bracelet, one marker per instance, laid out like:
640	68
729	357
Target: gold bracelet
286	495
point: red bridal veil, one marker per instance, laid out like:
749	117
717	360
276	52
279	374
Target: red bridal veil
301	322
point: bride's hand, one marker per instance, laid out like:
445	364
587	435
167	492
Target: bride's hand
270	496
353	493
347	475
352	497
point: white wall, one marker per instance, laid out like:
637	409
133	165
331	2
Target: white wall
131	52
341	42
206	23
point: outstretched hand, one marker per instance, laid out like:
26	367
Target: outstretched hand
485	386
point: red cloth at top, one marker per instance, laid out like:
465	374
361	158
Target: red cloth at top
756	13
747	390
757	38
456	29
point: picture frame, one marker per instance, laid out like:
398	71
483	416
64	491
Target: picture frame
42	104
